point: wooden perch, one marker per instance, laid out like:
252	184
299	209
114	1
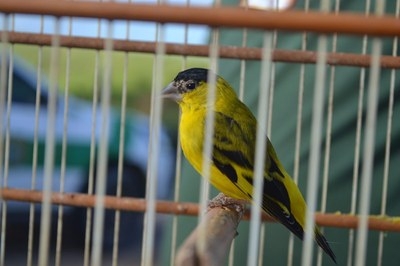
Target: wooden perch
209	243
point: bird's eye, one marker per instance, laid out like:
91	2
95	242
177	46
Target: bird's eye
190	85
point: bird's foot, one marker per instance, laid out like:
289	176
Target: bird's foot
223	201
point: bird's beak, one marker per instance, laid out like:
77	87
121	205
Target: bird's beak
171	92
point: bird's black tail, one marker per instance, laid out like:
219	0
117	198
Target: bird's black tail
321	241
290	222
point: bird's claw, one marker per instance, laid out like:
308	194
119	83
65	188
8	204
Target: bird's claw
223	201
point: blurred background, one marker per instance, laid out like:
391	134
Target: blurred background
75	83
80	73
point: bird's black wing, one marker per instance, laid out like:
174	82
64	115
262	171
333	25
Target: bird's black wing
234	144
233	150
272	204
276	200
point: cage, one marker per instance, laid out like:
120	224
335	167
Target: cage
103	181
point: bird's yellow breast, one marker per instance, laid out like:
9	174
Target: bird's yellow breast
192	131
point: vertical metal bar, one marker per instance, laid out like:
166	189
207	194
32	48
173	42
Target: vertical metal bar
45	220
270	99
121	149
356	164
242	82
243	65
3	89
4	180
386	163
102	161
63	152
369	142
145	238
209	125
209	128
178	165
93	141
231	258
315	143
353	206
260	152
388	144
177	186
271	89
29	260
327	153
261	244
298	131
328	133
367	167
152	168
208	135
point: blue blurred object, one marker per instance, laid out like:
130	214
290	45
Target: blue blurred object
24	125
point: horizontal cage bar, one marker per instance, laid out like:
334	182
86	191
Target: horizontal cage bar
232	52
382	223
320	22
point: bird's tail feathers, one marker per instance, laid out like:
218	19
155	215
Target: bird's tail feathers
273	208
321	241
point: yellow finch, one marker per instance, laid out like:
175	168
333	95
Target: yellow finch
232	159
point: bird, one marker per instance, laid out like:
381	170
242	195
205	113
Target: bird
233	148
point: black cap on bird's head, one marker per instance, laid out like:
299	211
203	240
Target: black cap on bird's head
184	82
195	74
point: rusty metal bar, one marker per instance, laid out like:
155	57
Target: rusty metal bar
232	52
346	23
380	223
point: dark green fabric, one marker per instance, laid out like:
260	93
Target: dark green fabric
346	93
